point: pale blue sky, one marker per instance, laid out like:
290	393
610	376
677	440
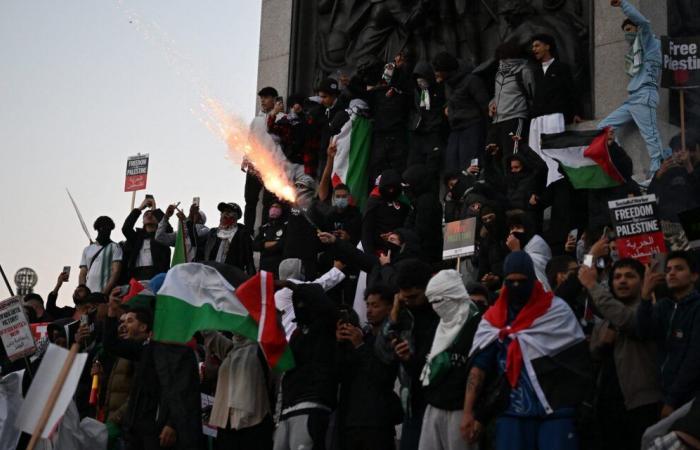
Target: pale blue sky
82	88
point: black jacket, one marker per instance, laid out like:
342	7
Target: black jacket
164	391
676	327
390	104
425	216
421	323
554	91
382	216
313	379
467	98
431	120
367	398
349	219
270	258
135	237
240	251
676	191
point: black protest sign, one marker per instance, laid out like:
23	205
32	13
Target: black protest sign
681	62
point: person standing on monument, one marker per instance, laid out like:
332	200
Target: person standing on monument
642	65
553	106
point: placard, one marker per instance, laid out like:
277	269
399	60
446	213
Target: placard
14	329
136	173
459	238
681	62
637	227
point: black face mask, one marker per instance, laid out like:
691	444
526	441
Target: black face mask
389	193
519	292
395	249
103	236
522	237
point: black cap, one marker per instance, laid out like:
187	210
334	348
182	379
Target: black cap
103	222
329	86
445	62
230	206
268	91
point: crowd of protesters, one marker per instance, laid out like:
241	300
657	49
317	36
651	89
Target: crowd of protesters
523	347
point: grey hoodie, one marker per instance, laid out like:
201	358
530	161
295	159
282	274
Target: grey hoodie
510	94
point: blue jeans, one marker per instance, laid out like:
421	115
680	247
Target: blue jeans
553	432
640	107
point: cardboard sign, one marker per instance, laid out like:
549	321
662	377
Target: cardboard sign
136	173
681	62
691	225
459	239
638	230
14	329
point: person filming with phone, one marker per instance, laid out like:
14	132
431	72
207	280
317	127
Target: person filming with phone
147	257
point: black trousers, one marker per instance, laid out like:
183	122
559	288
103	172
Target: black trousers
368	439
256	437
622	429
389	150
251	193
499	134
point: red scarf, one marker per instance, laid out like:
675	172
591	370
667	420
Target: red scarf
497	315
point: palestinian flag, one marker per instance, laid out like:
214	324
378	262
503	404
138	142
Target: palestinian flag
353	148
584	157
179	252
139	295
197	297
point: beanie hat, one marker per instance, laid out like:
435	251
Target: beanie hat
519	262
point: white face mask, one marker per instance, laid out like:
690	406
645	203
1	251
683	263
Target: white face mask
446	308
226	233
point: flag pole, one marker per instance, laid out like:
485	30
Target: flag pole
682	104
53	396
133	200
7	283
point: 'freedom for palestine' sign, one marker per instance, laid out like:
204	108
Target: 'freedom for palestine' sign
136	173
681	62
637	227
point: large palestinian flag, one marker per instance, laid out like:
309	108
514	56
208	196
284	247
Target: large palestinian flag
197	297
352	155
584	158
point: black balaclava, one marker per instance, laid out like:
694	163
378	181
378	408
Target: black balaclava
519	291
104	226
390	185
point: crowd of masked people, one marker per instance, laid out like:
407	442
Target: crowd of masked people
543	339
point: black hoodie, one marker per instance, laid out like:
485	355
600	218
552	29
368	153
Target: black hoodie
467	98
428	120
384	212
425	217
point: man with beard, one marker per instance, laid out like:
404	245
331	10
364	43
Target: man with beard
530	341
629	389
147	257
101	262
675	323
230	243
80	293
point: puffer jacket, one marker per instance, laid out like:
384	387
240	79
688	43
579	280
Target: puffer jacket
118	387
510	96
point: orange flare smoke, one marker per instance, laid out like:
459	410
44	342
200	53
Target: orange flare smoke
259	149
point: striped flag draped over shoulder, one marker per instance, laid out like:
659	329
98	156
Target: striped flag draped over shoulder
352	155
584	158
197	297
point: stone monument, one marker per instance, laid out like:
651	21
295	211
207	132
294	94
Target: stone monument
302	41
